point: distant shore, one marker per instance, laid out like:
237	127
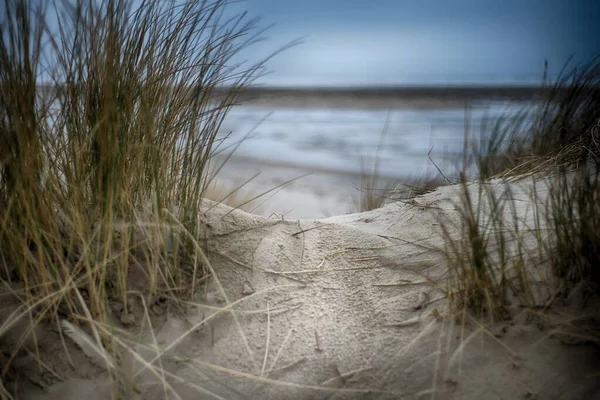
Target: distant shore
381	97
389	97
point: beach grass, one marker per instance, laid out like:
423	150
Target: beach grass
555	131
108	122
500	262
376	190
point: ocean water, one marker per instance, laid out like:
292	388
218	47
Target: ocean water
404	140
337	139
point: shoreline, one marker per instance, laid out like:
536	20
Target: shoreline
374	97
417	96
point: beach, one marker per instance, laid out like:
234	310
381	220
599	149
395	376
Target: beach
308	297
344	136
347	307
363	201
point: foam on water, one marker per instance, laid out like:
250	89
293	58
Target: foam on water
338	138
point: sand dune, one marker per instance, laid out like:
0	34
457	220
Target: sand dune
341	308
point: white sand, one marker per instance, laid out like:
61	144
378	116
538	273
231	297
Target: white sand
333	313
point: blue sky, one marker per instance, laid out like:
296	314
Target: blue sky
380	42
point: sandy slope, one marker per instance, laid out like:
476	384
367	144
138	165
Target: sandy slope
340	308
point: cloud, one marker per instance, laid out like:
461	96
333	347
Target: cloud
402	43
384	58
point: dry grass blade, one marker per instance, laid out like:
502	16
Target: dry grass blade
95	351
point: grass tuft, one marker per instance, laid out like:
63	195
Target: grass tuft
486	251
552	132
502	257
574	220
108	116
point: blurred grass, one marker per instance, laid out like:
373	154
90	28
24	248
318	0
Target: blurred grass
554	132
498	259
234	196
376	192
